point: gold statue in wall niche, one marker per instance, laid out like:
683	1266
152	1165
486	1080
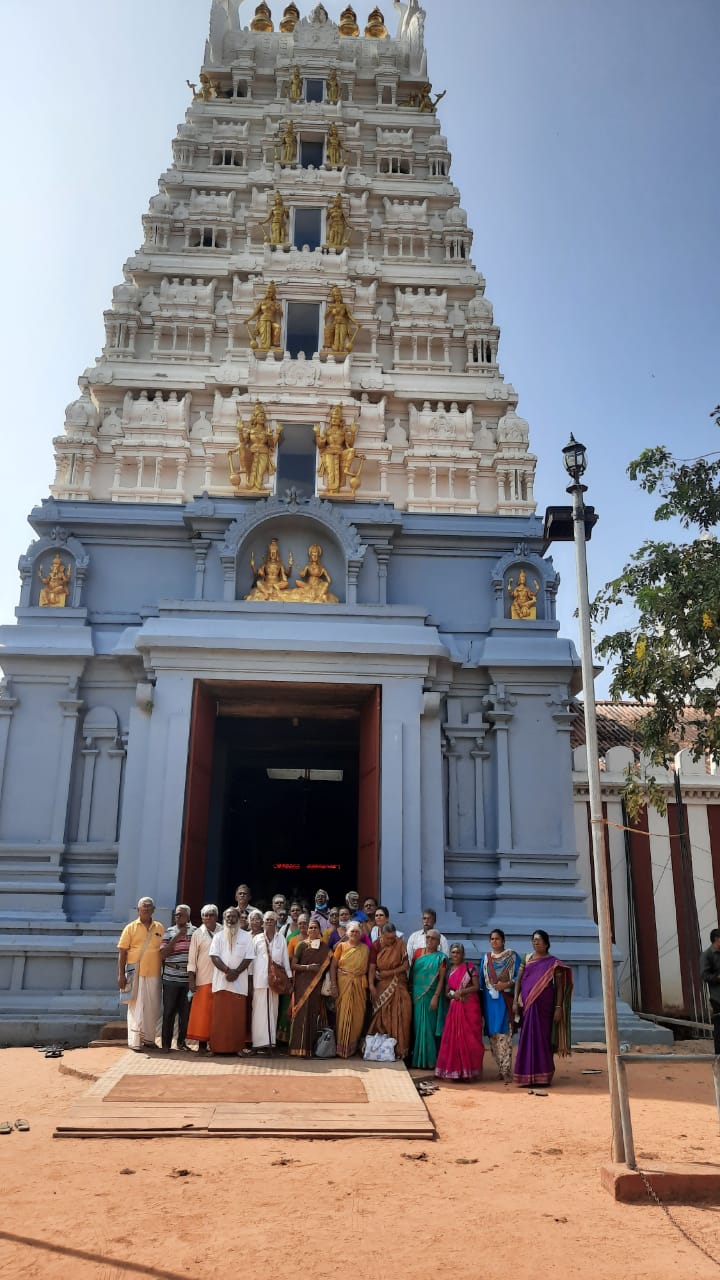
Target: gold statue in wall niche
286	150
270	581
290	19
313	585
264	324
339	464
424	100
524	601
263	19
295	87
376	28
277	220
334	150
254	456
54	592
332	88
348	22
337	227
341	327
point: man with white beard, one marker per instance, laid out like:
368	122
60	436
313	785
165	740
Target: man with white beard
267	946
200	970
231	954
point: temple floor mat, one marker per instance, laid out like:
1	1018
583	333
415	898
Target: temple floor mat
185	1095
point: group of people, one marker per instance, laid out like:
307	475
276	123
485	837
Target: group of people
290	974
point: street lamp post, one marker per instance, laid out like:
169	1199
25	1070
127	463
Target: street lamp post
575	462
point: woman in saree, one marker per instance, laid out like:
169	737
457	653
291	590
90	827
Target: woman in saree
543	992
348	977
293	942
309	964
427	980
391	1003
498	973
461	1048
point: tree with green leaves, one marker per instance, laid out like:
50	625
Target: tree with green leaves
669	658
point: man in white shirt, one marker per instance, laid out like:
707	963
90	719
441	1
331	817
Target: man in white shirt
200	972
416	941
267	946
231	954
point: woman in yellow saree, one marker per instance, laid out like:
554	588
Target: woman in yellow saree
348	976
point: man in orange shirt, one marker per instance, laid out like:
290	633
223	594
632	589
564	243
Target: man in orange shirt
139	968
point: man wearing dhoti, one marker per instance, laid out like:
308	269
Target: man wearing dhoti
139	968
267	946
231	954
200	971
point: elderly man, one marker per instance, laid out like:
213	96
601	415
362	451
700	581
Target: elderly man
242	898
416	941
231	954
352	900
268	946
321	909
175	987
201	969
139	966
280	907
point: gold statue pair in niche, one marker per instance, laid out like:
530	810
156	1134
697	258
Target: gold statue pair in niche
271	579
338	228
332	87
286	147
252	463
264	326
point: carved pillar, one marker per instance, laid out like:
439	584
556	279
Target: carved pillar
89	756
382	555
432	803
479	755
353	572
70	707
500	715
451	753
201	547
7	709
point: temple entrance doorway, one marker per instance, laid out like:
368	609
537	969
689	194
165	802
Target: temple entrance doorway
282	792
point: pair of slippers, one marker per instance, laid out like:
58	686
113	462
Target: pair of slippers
21	1125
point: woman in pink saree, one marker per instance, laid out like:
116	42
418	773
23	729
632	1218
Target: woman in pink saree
543	993
461	1048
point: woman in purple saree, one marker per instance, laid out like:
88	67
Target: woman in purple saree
543	992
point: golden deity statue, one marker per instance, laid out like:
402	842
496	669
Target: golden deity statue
270	581
207	90
290	19
263	19
313	585
524	601
286	150
341	327
332	88
424	100
277	221
54	591
334	151
376	28
337	227
348	22
295	87
340	465
254	455
264	324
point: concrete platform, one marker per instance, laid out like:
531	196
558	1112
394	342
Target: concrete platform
673	1184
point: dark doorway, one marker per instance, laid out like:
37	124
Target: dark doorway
293	795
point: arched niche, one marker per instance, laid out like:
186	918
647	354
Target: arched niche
296	525
35	566
537	571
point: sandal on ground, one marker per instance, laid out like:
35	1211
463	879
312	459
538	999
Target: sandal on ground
22	1126
53	1053
5	1126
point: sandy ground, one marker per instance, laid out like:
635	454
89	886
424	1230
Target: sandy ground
511	1187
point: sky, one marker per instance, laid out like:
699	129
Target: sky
584	143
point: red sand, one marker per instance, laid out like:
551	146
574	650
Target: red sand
511	1187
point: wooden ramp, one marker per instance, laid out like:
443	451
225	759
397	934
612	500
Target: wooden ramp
181	1095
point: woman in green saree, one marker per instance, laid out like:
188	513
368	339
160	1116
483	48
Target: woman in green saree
427	978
